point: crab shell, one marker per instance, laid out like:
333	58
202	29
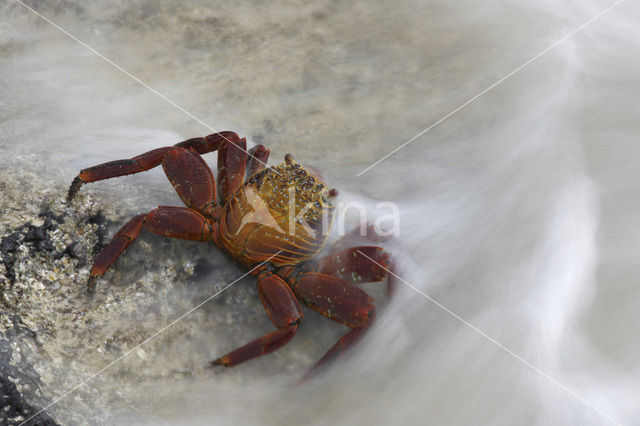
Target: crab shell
281	214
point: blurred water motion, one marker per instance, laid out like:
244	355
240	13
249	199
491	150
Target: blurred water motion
519	213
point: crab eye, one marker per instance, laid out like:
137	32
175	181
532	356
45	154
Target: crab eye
288	159
328	195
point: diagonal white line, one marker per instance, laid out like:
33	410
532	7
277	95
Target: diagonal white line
64	395
127	73
500	345
493	85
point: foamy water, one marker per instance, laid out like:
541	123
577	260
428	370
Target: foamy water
518	213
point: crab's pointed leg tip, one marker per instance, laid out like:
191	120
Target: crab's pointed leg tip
288	158
220	361
309	375
74	188
91	285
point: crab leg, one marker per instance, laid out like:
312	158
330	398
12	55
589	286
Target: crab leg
340	347
338	300
145	161
178	222
174	222
191	178
358	265
117	168
258	156
353	264
209	143
114	249
232	161
283	311
357	237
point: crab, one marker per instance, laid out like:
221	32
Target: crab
272	221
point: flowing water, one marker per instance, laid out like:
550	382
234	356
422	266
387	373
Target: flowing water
518	213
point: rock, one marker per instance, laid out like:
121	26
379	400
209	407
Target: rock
54	336
16	373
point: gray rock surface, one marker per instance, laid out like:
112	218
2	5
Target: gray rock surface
57	335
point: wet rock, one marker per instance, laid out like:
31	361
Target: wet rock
36	239
15	410
53	336
202	268
39	236
8	247
75	250
100	220
17	373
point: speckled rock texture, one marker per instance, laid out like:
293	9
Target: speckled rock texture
54	334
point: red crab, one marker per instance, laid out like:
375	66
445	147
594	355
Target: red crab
254	219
